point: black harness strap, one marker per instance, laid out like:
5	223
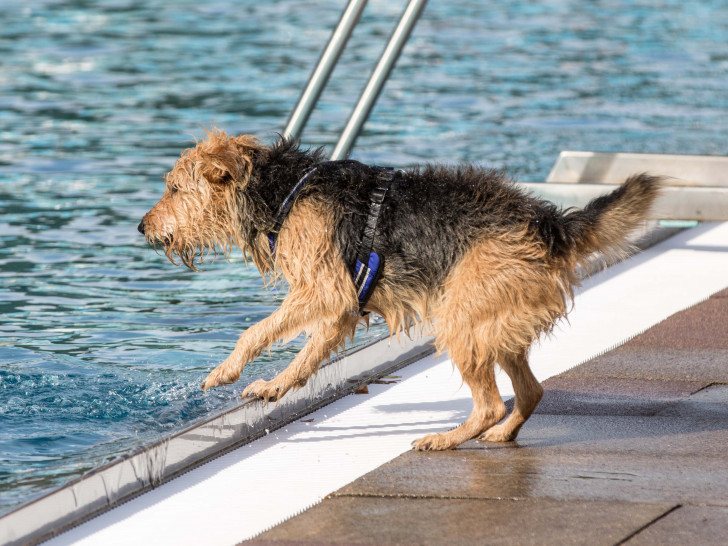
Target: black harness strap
290	199
285	208
368	266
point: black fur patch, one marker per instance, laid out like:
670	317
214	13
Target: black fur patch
431	216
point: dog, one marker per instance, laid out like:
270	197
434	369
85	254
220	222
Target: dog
460	251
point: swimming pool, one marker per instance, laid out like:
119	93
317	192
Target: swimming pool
103	343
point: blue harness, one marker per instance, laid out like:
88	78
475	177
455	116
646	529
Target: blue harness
368	266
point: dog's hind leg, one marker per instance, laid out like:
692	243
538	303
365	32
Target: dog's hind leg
528	394
492	304
327	335
488	408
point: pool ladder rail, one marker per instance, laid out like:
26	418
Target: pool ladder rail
696	190
327	62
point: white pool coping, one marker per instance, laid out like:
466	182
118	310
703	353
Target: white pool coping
252	488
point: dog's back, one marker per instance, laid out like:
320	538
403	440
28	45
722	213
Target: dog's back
434	215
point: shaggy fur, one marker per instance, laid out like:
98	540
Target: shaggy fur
466	253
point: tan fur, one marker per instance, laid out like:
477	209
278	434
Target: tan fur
405	309
203	215
495	303
504	293
320	303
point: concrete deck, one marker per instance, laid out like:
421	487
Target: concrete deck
629	447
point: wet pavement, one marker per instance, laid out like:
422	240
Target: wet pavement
630	447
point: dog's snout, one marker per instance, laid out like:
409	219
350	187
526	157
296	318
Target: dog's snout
140	227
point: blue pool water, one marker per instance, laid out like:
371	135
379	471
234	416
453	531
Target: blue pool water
103	343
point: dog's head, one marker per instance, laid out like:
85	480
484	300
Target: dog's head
201	211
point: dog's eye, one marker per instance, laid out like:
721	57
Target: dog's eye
173	190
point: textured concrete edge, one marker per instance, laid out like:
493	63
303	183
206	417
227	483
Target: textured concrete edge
639	333
149	466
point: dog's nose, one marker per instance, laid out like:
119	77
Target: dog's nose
140	227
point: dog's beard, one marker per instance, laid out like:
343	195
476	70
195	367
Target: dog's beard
195	254
197	241
191	256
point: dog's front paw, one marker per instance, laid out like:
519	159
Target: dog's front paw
433	442
266	390
224	374
498	433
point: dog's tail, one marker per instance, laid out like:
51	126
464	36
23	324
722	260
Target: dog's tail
606	222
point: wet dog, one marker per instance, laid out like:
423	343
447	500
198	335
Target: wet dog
461	251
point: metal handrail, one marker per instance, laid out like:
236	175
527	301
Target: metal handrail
326	64
320	75
378	78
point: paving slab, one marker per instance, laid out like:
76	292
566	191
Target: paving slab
629	447
540	473
721	294
577	395
706	365
703	326
390	520
704	525
691	345
711	401
589	442
705	433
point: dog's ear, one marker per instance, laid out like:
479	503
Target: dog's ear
227	159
